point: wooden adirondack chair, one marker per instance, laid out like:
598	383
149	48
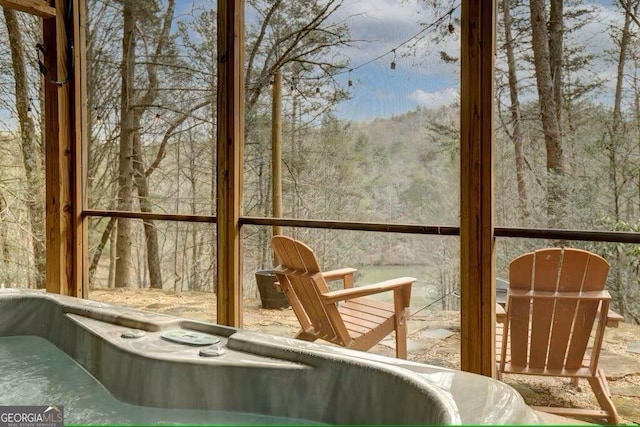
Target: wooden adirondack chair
556	301
341	317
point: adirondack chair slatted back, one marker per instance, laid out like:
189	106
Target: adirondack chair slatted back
546	331
299	270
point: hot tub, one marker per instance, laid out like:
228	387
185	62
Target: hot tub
108	364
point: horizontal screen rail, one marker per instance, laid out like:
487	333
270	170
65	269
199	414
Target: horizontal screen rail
156	216
446	230
353	226
576	235
437	230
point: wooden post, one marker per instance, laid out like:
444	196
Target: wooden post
476	181
230	141
59	134
80	147
276	150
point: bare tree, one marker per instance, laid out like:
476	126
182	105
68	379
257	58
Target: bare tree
32	153
616	139
132	170
127	131
556	52
516	117
556	194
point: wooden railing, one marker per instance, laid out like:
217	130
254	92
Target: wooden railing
437	230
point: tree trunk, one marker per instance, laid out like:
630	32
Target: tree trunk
636	105
614	136
131	155
556	53
111	278
295	158
556	193
517	136
263	202
618	288
140	174
106	236
31	149
194	283
150	231
127	131
4	249
616	128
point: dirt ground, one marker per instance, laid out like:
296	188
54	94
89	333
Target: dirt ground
434	338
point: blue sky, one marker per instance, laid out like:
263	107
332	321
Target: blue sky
379	91
420	77
382	25
424	79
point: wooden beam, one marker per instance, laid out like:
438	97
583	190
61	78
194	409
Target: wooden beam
34	7
154	216
230	141
476	181
276	151
59	130
80	147
384	227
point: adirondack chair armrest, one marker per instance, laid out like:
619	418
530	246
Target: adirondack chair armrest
402	283
344	274
613	319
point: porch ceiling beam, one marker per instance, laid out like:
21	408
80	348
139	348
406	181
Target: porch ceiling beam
40	8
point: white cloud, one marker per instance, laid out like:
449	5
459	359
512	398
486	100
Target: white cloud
375	13
381	25
434	99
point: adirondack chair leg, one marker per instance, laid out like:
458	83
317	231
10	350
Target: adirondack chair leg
305	336
402	313
600	388
401	341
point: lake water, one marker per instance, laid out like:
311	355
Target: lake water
423	292
35	372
